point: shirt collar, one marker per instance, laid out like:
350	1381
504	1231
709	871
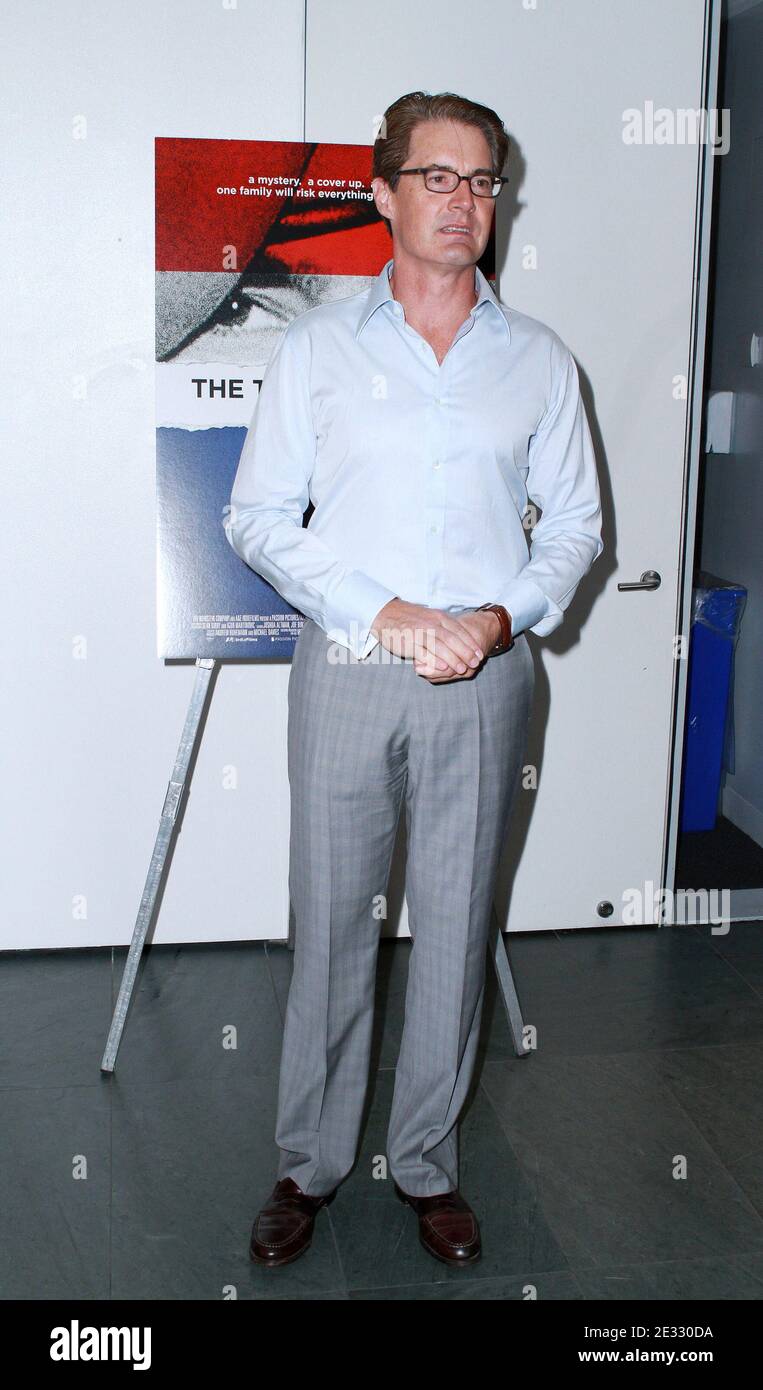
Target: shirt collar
381	293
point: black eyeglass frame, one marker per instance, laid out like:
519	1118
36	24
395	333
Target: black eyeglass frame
499	179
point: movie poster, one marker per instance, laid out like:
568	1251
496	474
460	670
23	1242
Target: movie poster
249	233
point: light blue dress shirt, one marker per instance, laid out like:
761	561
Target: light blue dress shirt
419	472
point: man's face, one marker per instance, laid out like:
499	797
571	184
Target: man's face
420	218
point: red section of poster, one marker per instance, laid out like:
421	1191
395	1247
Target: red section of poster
220	203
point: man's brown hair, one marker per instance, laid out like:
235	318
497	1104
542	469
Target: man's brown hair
394	139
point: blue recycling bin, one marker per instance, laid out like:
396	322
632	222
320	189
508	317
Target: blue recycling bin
717	608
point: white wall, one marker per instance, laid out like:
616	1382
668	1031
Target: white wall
89	744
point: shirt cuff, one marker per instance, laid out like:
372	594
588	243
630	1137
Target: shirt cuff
362	597
526	603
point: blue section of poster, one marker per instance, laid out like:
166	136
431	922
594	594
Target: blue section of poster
210	603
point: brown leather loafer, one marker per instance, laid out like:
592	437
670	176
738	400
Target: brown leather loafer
448	1228
283	1230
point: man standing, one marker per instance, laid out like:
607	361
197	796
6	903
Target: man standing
417	417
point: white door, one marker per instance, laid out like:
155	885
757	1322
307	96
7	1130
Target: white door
598	236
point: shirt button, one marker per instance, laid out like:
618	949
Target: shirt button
437	464
433	529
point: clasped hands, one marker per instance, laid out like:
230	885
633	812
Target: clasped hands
443	647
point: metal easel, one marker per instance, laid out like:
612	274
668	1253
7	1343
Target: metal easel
169	824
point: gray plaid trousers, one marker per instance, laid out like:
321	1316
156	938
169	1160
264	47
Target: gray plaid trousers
363	736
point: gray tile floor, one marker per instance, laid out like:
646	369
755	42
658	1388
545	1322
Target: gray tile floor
622	1159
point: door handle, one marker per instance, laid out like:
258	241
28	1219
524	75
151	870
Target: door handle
650	579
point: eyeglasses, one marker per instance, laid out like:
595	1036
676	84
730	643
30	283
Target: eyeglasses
447	180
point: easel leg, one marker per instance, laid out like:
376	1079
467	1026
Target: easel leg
506	985
168	826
